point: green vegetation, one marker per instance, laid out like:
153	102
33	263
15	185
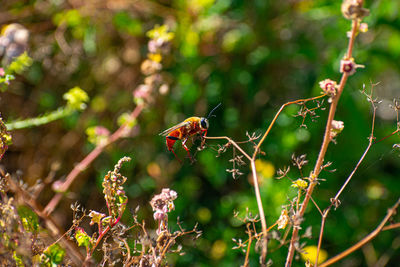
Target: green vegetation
148	65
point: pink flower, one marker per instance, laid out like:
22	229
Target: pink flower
2	72
162	204
349	66
328	86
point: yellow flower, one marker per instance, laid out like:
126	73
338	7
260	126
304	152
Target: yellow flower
155	57
300	183
310	254
161	32
218	250
265	168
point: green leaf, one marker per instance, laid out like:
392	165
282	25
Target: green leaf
83	238
125	23
18	260
29	219
52	255
20	64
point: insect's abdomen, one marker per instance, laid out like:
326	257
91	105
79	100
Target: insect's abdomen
172	138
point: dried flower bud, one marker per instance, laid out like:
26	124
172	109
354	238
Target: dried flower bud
149	67
328	86
349	66
163	89
337	128
283	220
352	9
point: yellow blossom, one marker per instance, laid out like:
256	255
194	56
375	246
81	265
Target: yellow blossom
218	249
155	57
265	168
161	32
310	254
300	183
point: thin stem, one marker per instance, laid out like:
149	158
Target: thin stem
387	136
230	141
41	120
254	171
335	199
246	260
391	226
366	239
276	117
261	211
81	166
324	147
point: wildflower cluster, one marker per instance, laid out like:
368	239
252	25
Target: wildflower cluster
158	46
113	191
162	204
76	98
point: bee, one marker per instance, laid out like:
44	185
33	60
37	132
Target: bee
182	131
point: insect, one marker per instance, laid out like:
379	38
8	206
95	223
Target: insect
182	131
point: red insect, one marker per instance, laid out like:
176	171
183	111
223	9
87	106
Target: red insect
182	131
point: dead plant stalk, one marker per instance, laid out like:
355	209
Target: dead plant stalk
327	139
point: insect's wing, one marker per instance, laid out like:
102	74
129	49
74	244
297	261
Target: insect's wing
173	128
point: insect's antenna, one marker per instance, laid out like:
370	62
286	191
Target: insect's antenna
211	112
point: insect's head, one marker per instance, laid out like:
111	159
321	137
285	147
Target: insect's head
204	124
204	121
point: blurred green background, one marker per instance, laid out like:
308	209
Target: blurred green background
252	56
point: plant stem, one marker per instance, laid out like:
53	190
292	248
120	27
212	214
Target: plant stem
41	120
317	169
254	170
366	239
81	166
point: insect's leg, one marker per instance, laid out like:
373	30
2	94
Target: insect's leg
203	140
170	140
172	150
187	149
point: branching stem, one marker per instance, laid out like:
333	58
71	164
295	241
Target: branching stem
81	166
324	146
366	239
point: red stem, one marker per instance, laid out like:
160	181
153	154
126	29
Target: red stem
81	166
